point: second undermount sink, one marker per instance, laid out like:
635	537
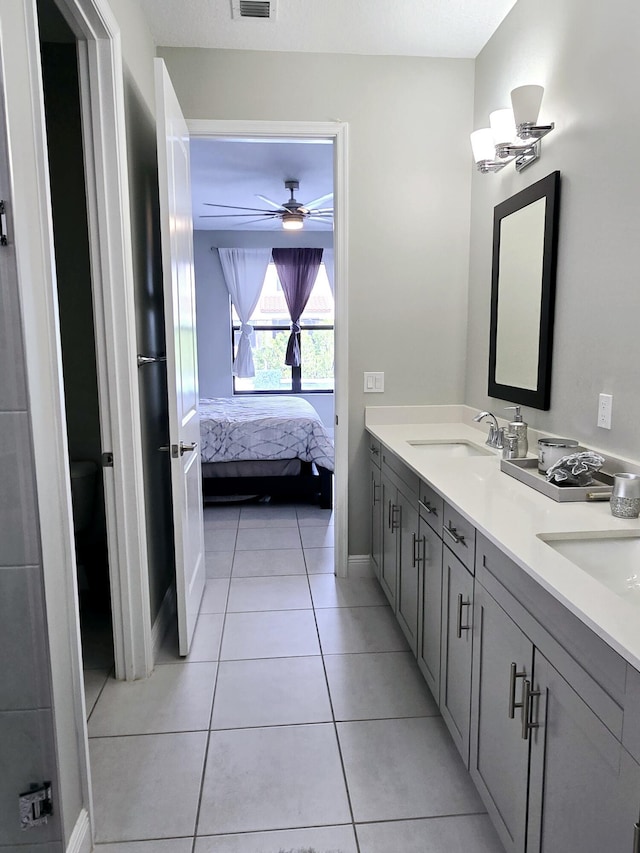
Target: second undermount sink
450	449
611	558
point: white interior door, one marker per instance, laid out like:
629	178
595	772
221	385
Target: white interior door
182	360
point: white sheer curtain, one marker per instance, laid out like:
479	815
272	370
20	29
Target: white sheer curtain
327	260
244	271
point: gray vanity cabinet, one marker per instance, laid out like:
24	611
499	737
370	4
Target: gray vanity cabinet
503	660
584	786
430	604
408	568
389	545
456	650
375	506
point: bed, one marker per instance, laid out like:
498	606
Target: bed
275	446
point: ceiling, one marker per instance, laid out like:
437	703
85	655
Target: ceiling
451	28
234	172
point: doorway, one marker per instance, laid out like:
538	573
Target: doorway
58	52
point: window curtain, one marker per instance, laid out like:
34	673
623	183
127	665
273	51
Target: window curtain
327	258
297	270
244	271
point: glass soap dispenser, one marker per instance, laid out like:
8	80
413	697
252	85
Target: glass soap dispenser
518	428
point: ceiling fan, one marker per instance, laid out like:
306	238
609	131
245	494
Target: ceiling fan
291	214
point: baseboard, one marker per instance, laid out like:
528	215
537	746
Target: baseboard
359	566
166	615
80	841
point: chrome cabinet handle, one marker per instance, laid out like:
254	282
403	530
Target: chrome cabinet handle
453	533
417	559
527	695
375	499
396	517
459	626
512	690
636	838
389	515
187	448
426	506
374	450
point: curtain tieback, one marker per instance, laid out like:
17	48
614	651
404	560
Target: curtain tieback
295	328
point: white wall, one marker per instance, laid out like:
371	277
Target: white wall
589	63
409	186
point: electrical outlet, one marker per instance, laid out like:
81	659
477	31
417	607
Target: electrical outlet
605	404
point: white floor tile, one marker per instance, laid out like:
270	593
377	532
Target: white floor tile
218	563
252	539
463	834
317	537
320	839
406	768
94	681
214	599
378	686
288	592
319	560
279	634
345	630
271	513
175	698
260	779
271	692
330	591
312	516
146	787
267	563
172	845
221	513
205	645
219	539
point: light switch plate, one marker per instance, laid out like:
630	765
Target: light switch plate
373	383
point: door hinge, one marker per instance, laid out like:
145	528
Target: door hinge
36	805
3	224
107	460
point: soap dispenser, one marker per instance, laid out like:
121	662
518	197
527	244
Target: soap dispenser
518	428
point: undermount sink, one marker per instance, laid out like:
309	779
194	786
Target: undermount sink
451	449
611	558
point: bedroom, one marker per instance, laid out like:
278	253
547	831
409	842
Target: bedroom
238	189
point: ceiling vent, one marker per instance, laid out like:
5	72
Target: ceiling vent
265	9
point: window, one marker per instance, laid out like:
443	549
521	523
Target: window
271	323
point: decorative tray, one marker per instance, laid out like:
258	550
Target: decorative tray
526	470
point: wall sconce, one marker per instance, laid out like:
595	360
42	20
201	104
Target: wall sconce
514	133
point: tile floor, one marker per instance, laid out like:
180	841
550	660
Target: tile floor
299	719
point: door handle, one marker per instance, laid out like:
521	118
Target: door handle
459	626
527	695
187	448
512	690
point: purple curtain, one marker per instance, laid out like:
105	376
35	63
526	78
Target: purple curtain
297	270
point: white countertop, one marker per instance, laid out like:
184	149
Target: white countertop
513	515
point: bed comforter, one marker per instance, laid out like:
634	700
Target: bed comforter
237	428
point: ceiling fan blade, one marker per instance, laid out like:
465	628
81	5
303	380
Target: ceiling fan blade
264	220
266	215
271	202
236	207
310	205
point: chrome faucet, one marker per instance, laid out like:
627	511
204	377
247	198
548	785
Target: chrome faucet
496	433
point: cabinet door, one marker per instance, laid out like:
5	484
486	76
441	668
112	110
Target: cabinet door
503	659
584	787
407	609
390	521
430	607
457	616
376	519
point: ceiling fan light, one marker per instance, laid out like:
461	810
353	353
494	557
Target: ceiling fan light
292	221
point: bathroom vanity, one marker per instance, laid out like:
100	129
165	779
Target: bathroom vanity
525	634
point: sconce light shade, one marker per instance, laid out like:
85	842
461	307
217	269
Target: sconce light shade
503	127
482	145
526	101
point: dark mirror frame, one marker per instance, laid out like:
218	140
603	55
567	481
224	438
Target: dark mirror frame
549	189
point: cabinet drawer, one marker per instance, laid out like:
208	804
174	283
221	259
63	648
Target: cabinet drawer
431	507
406	477
460	535
375	451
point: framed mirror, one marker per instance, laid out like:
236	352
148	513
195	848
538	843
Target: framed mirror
525	238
